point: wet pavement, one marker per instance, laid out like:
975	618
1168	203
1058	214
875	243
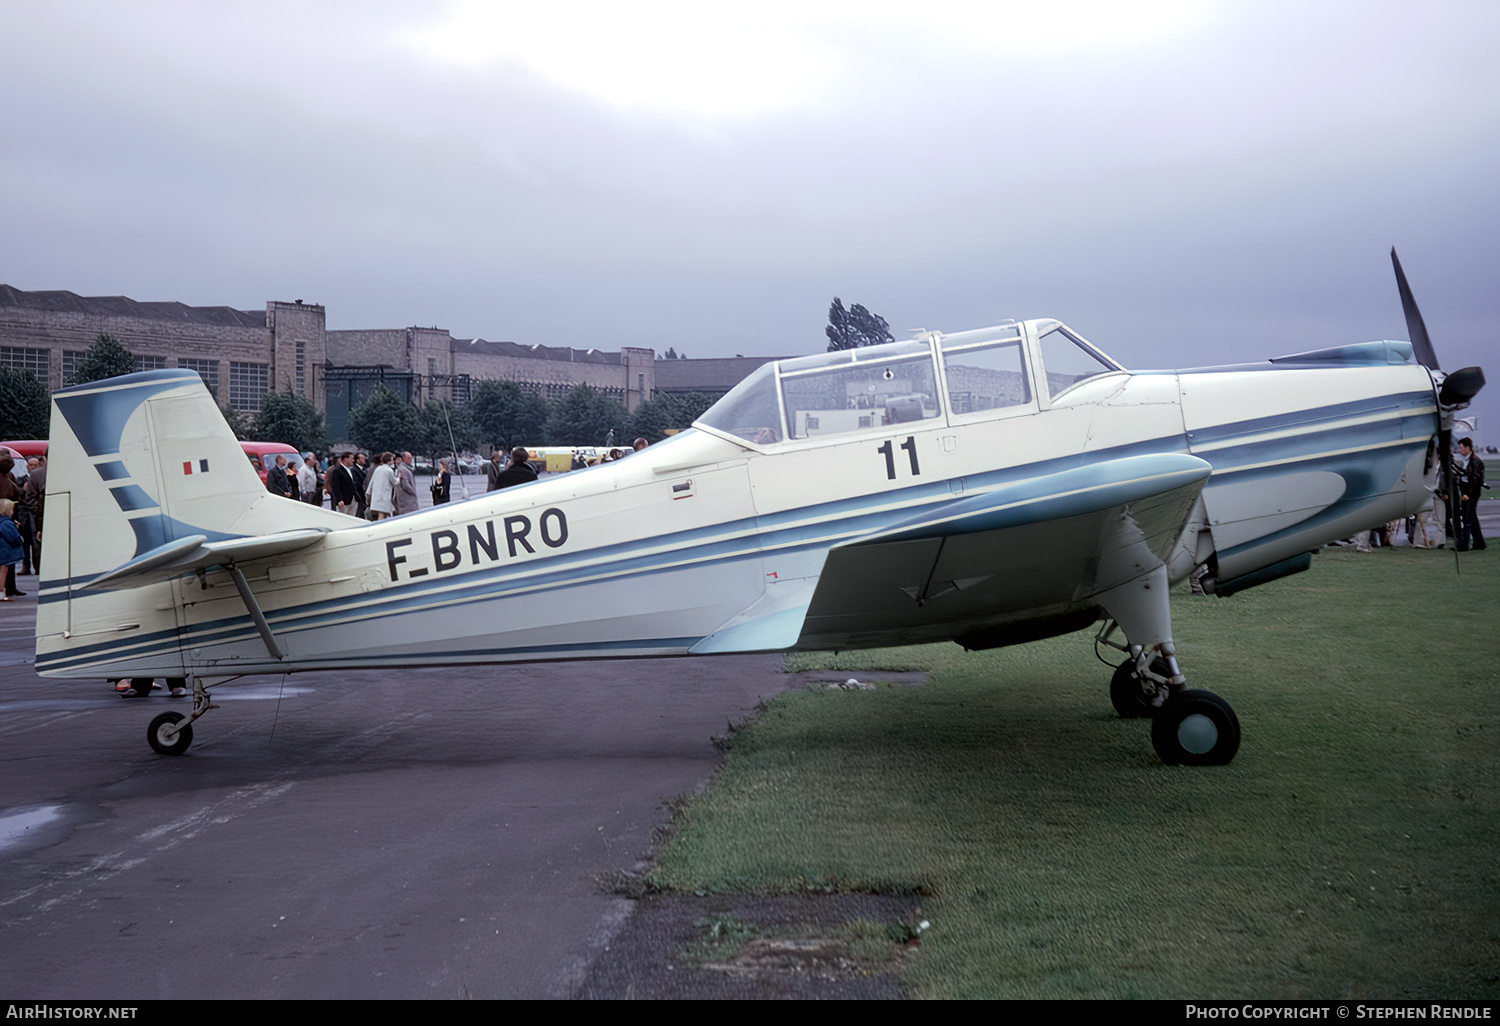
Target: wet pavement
446	833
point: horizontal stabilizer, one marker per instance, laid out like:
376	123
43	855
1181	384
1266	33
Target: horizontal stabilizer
196	552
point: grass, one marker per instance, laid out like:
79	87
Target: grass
1351	850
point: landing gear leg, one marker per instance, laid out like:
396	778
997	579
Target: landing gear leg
171	733
1136	694
1143	681
1189	727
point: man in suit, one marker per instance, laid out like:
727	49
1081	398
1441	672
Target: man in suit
519	471
361	471
1470	491
277	483
340	479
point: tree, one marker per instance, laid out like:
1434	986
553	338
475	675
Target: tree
652	418
442	427
106	358
24	405
871	327
237	422
586	416
383	423
855	327
291	418
506	415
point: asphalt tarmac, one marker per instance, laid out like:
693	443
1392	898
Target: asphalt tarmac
430	834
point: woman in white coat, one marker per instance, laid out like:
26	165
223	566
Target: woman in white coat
382	489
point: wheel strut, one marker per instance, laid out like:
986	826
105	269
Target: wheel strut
171	733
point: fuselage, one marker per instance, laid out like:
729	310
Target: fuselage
776	522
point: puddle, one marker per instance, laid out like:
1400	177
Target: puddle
30	828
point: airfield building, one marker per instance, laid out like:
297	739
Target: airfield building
242	354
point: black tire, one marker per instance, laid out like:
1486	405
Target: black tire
177	745
1195	728
1125	690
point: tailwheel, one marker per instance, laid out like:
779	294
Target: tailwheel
1134	696
166	737
1195	728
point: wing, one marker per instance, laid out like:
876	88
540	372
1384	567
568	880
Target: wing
1013	563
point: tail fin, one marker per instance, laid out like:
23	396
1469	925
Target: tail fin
143	474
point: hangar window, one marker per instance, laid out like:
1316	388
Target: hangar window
22	358
208	370
248	383
70	360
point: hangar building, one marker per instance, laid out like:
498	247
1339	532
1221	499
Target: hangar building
242	354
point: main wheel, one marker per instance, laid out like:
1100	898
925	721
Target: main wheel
1195	728
157	734
1130	695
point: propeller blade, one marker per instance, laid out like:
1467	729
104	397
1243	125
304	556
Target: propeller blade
1421	345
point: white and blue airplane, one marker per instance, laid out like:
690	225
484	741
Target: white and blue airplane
989	487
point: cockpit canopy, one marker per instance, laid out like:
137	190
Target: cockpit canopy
967	376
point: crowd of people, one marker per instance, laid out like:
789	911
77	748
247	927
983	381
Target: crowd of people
23	499
376	487
355	483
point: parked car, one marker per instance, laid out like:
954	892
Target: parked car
19	452
26	448
263	455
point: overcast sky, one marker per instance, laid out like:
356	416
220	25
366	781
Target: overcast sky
1182	183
